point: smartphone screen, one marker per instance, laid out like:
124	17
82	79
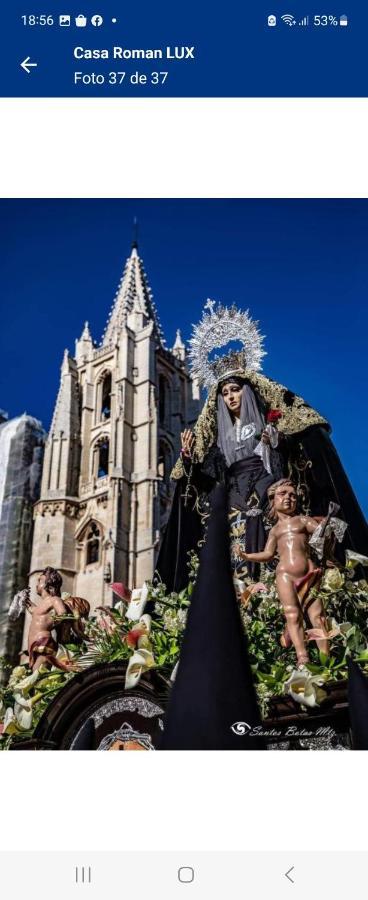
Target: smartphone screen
183	491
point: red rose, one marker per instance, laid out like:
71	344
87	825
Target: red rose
273	416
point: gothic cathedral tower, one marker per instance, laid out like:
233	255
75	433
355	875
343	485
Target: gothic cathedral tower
114	437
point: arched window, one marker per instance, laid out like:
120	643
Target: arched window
106	397
92	544
161	399
103	458
164	462
161	466
164	400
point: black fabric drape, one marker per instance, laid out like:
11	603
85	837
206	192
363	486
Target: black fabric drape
183	531
328	481
243	479
213	702
184	528
358	705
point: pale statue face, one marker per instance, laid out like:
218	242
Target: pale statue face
40	584
232	394
285	499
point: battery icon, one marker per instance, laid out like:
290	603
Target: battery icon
343	20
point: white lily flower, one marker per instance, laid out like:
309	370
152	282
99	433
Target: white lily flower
27	683
305	688
141	632
23	712
145	622
144	642
17	674
21	700
138	663
137	603
9	721
355	559
174	672
120	607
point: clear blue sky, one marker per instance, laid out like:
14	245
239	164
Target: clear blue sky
301	267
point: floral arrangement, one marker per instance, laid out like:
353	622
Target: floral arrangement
345	600
126	632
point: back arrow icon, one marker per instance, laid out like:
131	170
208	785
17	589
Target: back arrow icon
287	875
26	65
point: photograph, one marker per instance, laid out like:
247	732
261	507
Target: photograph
183	491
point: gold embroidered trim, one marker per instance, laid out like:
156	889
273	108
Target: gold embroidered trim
296	417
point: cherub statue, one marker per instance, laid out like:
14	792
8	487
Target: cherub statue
296	573
42	646
45	630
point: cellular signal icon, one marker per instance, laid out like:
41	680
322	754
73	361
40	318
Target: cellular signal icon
289	20
304	21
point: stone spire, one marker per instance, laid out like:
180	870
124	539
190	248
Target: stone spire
133	304
179	346
66	412
84	345
61	462
86	334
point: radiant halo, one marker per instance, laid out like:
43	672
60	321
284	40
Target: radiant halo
216	329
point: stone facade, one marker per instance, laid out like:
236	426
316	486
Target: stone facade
115	434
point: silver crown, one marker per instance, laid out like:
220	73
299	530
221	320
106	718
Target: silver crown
215	330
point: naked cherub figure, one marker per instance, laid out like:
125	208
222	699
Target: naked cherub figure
53	620
295	573
42	647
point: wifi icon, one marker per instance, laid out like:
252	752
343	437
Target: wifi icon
288	19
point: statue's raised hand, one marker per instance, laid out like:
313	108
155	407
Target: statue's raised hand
187	442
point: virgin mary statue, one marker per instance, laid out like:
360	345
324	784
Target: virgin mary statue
251	432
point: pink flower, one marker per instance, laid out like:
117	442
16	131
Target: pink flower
106	624
256	588
123	592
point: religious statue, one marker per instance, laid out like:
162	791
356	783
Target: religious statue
296	573
53	620
251	432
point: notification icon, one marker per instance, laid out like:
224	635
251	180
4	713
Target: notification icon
271	21
64	21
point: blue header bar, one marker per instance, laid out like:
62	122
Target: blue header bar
191	49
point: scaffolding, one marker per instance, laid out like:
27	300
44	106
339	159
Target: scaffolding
21	453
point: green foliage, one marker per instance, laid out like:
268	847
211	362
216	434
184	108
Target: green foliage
346	606
111	636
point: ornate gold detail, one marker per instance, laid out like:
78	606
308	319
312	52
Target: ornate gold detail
297	415
298	468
